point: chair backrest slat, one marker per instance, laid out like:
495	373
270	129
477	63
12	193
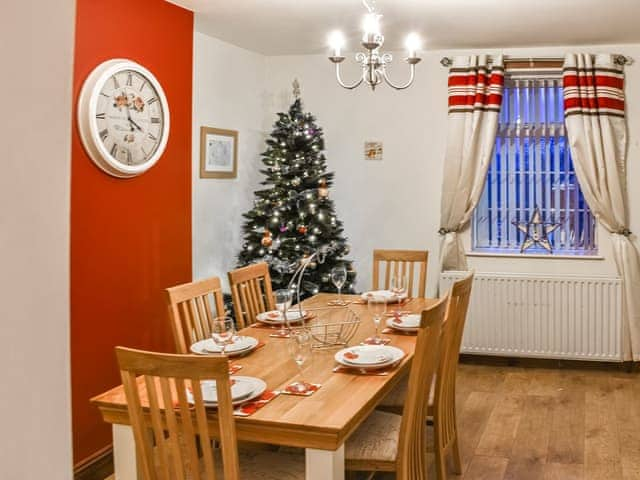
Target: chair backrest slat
453	329
401	262
411	459
251	292
191	309
168	429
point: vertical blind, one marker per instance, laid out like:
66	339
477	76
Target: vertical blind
532	167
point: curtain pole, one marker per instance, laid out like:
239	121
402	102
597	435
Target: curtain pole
619	60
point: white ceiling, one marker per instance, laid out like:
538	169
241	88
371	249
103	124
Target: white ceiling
282	27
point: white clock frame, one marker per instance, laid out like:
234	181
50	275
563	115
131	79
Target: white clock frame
88	127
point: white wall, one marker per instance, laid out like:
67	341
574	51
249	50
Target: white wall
228	85
390	204
396	203
35	134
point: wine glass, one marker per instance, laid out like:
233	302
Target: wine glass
338	278
283	298
223	332
299	347
377	306
398	288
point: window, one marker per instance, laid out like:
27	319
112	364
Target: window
532	167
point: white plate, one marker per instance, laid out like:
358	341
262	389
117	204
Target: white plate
240	346
383	296
369	356
243	390
409	323
276	317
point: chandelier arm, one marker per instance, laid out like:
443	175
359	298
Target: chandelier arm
342	84
412	69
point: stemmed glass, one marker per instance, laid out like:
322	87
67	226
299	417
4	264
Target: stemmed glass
283	298
398	288
223	332
299	347
377	306
339	277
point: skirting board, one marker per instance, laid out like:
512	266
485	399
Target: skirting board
96	467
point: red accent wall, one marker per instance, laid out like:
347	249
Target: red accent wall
130	238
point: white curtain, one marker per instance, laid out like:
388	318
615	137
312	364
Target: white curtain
597	133
475	96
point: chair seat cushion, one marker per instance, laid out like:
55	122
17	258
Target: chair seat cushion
376	439
395	398
267	465
254	464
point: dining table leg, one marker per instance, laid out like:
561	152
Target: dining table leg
324	464
125	464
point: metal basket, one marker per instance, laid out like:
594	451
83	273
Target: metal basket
333	326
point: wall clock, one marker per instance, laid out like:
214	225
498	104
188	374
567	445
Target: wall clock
123	118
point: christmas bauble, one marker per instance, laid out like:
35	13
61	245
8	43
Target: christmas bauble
302	229
267	240
323	190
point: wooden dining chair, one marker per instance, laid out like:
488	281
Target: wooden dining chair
443	409
397	443
251	292
401	262
192	306
442	403
169	432
174	438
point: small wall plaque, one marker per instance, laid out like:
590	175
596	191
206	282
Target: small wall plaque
373	150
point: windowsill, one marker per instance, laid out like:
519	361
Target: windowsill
534	255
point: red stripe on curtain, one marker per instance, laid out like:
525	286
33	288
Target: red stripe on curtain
592	103
598	80
476	86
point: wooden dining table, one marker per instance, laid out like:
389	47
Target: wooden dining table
320	423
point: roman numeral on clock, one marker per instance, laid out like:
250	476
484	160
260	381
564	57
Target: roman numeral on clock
114	149
152	137
100	116
129	159
152	100
129	79
144	84
155	120
104	134
115	82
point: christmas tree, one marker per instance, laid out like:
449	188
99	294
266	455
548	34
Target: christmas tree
293	216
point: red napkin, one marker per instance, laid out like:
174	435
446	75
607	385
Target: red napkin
249	408
311	388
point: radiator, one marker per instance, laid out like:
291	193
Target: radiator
545	316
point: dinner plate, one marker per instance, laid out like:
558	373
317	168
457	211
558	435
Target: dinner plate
408	323
242	390
241	345
369	356
383	296
275	316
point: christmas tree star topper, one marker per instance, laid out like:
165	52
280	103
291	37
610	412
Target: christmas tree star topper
536	231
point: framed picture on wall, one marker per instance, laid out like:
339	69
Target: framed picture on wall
218	153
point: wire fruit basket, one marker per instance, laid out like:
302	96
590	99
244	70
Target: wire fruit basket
333	326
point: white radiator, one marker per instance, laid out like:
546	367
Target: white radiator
547	316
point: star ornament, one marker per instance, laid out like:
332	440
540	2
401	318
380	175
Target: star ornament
536	232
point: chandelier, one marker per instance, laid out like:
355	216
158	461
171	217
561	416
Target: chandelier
373	62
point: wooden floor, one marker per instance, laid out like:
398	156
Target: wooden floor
547	424
544	424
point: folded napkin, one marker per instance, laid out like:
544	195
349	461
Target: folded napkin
251	407
233	368
311	389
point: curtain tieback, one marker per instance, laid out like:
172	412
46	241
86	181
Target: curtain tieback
443	231
623	231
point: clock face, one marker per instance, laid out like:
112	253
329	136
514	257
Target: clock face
123	118
129	117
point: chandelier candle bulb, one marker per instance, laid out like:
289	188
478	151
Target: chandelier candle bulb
413	44
336	42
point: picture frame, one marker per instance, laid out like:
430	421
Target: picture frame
218	153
